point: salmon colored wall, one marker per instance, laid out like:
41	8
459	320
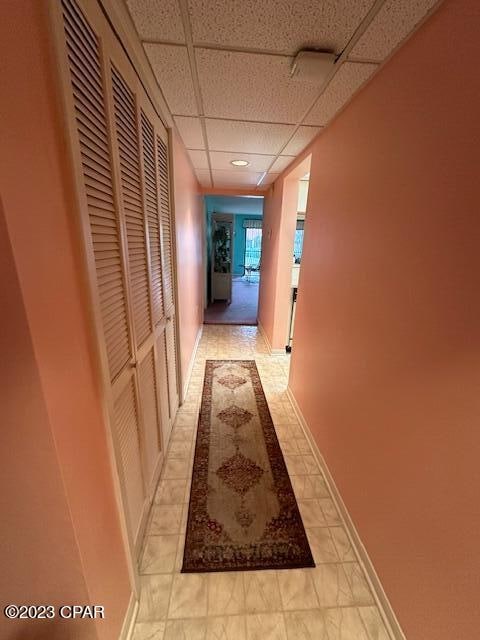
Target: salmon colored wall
279	224
189	228
38	540
272	215
386	358
39	219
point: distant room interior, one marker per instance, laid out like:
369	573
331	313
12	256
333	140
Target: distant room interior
234	250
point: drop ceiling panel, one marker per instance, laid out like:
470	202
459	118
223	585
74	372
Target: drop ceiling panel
222	160
281	163
302	137
345	82
235	179
190	130
392	24
199	159
249	137
204	177
172	70
246	86
276	25
157	20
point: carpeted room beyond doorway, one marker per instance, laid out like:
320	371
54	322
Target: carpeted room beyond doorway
243	308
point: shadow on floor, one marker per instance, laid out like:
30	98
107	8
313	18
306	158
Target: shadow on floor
242	309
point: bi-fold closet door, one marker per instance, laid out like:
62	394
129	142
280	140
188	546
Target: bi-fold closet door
121	160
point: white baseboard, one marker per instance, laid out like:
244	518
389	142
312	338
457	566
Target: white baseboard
384	606
186	381
129	621
271	352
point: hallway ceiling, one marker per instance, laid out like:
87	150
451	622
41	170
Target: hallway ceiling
224	69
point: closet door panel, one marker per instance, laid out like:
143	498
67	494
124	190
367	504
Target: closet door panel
147	382
106	247
171	359
168	278
152	214
83	50
165	215
126	423
162	377
130	139
120	164
131	195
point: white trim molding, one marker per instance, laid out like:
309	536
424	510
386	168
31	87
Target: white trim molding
381	599
271	352
191	363
130	617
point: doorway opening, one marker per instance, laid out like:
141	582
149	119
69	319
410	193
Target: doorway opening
298	238
234	248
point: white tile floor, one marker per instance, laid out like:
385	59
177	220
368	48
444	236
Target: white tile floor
330	602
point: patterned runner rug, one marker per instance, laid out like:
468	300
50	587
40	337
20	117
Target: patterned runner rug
242	513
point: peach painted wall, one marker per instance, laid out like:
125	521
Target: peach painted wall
38	213
386	358
279	224
39	555
272	213
189	228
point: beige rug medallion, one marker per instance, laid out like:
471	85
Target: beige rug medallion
242	512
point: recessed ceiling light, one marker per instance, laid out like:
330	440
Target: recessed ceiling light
239	163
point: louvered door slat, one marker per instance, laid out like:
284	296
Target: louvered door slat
127	436
128	148
167	256
148	393
152	211
87	89
75	18
162	377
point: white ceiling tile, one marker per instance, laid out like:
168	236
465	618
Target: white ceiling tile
269	179
204	177
247	86
277	25
249	137
157	20
281	163
345	82
302	137
222	160
235	178
172	70
199	159
392	24
190	131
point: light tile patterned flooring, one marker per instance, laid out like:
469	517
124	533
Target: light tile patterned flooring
330	602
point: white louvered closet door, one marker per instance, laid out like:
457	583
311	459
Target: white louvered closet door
168	273
130	151
152	217
122	185
105	226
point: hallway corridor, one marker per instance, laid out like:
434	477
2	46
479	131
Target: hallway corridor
152	154
330	602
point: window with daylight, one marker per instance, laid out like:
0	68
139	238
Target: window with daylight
253	247
298	242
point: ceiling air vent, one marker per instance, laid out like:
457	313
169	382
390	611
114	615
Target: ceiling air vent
312	66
